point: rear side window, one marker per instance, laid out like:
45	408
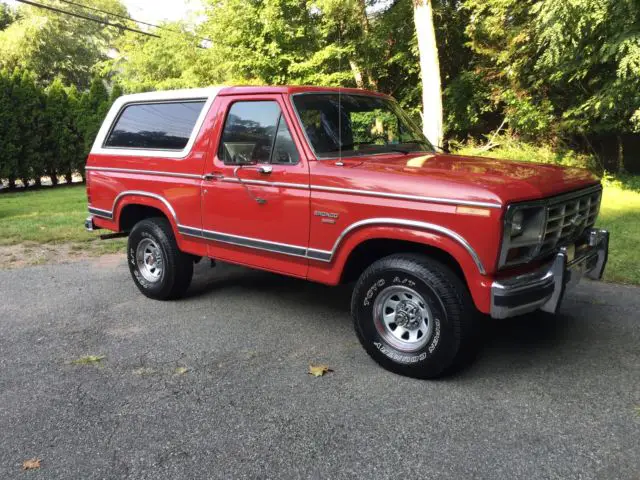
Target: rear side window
155	126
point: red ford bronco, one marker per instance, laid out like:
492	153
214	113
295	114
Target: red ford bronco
338	185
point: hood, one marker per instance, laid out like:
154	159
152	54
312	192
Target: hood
476	178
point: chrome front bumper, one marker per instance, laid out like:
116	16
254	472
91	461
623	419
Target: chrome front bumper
544	288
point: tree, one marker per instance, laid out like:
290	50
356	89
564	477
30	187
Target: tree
60	132
9	151
258	41
363	43
345	44
429	71
76	150
28	108
560	69
93	106
172	61
7	16
53	44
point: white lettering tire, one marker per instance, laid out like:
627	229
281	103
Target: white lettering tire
414	316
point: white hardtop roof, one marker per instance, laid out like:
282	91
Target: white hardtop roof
207	92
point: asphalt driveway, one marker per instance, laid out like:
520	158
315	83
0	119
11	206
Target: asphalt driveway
547	398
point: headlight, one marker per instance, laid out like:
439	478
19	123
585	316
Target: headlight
523	231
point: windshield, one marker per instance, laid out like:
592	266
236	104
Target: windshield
351	125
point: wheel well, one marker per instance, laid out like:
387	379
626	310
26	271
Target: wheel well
132	214
371	250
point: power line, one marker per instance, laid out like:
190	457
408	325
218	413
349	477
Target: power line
113	14
92	19
124	17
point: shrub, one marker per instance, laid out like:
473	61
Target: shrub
511	148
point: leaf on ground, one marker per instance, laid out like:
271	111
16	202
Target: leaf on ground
31	464
319	370
88	360
180	371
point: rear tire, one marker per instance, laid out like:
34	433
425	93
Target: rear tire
158	268
414	316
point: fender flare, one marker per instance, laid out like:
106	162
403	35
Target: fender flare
150	200
477	282
365	226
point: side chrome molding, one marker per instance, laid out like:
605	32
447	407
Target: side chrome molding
255	243
294	250
325	255
98	212
144	172
321	255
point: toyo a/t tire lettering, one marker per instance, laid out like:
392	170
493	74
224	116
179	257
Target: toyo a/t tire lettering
158	268
413	315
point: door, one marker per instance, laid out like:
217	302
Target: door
257	215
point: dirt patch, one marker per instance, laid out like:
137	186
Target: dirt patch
26	254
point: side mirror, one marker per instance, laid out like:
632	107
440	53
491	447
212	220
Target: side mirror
240	159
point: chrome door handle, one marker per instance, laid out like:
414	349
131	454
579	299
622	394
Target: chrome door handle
212	176
265	169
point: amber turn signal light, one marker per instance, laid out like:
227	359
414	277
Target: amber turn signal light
479	212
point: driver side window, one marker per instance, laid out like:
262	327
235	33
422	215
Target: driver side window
256	132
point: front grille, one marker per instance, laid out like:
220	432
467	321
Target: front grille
568	217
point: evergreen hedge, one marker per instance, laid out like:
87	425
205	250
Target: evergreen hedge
47	130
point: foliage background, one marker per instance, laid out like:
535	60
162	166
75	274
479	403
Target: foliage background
561	79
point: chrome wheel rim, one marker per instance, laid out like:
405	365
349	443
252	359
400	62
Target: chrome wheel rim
403	318
149	260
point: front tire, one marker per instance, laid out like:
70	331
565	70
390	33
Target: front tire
158	268
413	315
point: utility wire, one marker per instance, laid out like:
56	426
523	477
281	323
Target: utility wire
124	17
92	19
113	14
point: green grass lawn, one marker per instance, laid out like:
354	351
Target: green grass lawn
56	215
620	214
52	215
49	216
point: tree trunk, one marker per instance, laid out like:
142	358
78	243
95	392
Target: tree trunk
357	73
363	15
12	183
429	70
38	181
68	177
621	168
371	81
54	178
